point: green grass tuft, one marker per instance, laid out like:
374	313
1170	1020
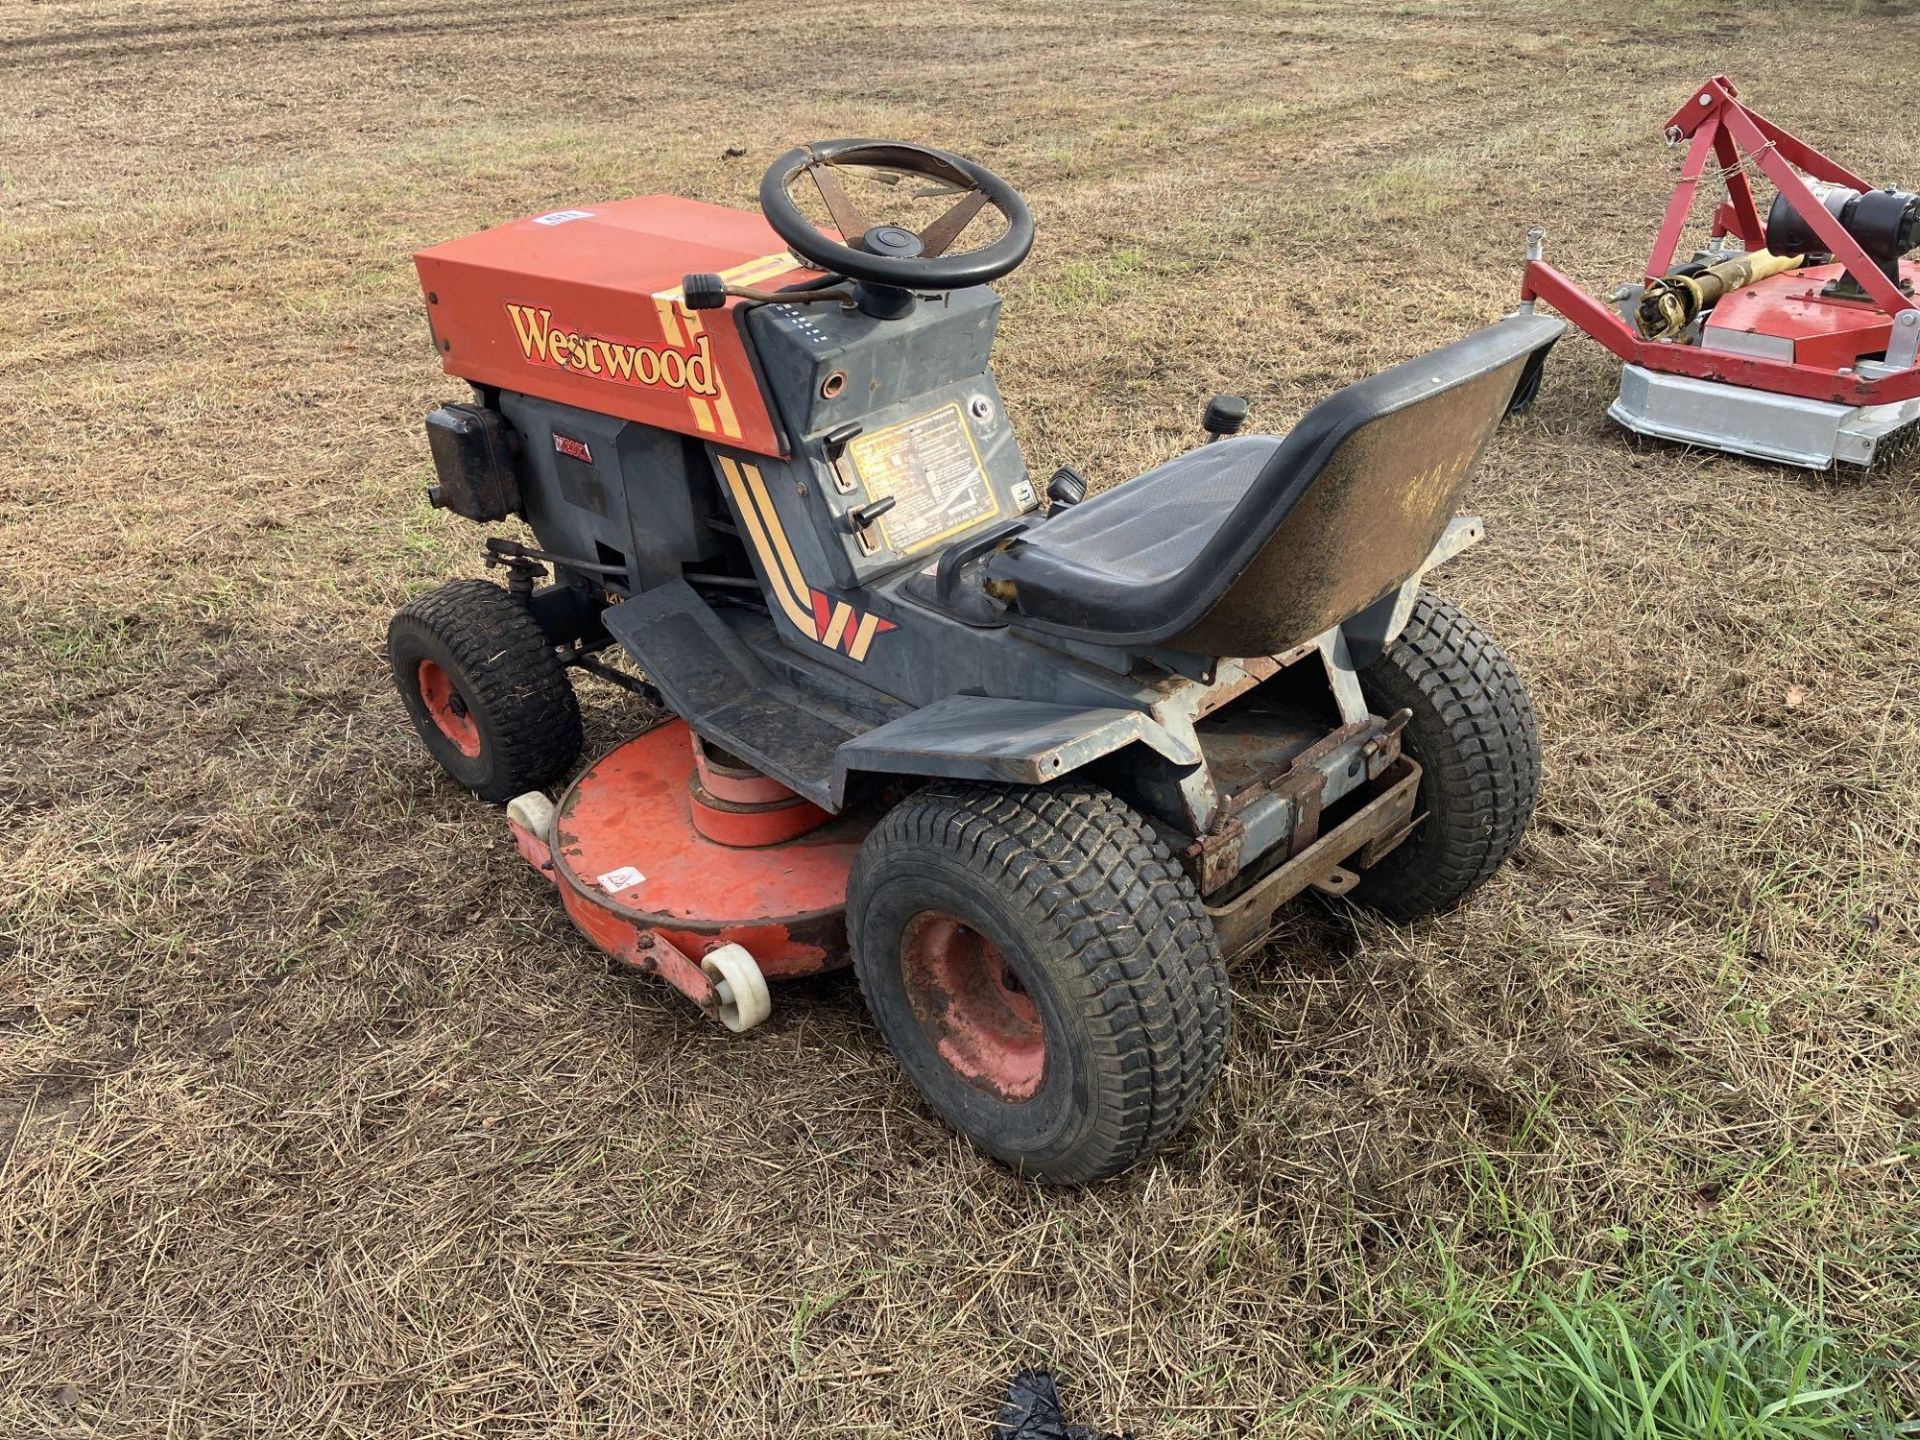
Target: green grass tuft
1696	1357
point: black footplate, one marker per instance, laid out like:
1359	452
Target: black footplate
729	698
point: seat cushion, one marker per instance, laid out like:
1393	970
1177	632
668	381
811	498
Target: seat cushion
1148	531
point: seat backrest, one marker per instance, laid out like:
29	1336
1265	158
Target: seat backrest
1362	490
1344	510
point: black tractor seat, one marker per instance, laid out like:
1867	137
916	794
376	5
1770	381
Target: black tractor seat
1252	545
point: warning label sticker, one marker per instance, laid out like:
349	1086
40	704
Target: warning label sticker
932	468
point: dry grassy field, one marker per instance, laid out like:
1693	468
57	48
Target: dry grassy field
317	1118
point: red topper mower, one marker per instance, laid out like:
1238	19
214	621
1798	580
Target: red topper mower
1036	768
1793	340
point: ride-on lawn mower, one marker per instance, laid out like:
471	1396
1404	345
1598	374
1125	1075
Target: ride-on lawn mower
1040	769
1796	341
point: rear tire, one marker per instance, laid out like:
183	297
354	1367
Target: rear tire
485	689
1043	969
1474	733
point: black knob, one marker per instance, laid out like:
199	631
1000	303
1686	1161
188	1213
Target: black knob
1067	487
872	511
836	440
1224	415
703	292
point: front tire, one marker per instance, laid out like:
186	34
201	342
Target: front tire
485	689
1043	969
1475	736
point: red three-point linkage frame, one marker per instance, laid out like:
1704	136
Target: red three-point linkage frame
1719	126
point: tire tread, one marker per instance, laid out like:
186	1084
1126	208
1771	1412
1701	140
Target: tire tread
509	671
1143	964
1483	777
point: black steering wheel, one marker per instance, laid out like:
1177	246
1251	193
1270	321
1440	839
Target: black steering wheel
892	255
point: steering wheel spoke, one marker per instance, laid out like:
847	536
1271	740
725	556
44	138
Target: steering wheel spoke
938	236
846	215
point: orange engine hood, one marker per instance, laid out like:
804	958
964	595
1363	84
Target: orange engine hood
583	307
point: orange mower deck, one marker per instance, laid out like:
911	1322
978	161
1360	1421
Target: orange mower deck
664	853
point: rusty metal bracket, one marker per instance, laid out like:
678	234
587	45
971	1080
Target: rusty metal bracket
1383	749
1242	922
1214	859
654	954
1375	849
1337	881
1303	784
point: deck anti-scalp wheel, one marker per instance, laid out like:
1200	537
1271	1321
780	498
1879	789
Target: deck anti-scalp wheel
1474	733
1042	967
741	989
485	689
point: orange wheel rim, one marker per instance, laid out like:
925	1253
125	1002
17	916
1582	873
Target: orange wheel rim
447	707
973	1006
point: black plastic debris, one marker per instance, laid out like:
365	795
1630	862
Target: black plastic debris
1032	1412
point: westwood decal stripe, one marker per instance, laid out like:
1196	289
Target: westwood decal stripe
764	267
833	623
714	415
669	318
676	318
729	422
790	605
783	595
837	626
713	411
792	566
721	409
690	323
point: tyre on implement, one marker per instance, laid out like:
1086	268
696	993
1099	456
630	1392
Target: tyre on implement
485	689
1043	969
1527	389
1475	736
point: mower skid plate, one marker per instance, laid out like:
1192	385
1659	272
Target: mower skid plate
1374	829
1760	424
636	873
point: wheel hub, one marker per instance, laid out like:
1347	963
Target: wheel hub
447	707
973	1006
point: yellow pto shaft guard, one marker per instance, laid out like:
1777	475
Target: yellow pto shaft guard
1672	302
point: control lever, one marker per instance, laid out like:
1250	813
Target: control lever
836	440
861	518
864	515
834	445
1067	487
1224	415
706	291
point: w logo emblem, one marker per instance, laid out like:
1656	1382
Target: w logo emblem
839	626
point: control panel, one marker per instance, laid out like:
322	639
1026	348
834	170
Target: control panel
898	422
